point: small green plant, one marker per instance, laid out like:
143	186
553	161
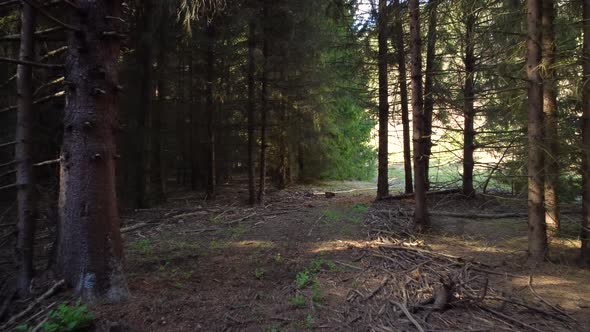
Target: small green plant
302	279
309	321
317	296
23	327
298	301
319	263
259	273
68	318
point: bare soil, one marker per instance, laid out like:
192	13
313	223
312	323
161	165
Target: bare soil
307	262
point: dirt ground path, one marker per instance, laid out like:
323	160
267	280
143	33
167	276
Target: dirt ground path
307	262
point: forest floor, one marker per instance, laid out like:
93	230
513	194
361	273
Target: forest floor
304	261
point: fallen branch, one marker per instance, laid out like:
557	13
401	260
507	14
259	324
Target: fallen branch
547	302
408	314
240	219
513	320
477	215
31	63
430	193
133	227
45	295
376	290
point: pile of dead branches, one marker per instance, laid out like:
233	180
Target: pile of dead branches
416	289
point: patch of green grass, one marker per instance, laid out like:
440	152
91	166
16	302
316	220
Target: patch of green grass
332	216
298	301
360	207
145	247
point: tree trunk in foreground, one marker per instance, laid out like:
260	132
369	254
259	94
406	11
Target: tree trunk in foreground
421	220
429	86
468	109
585	229
398	41
383	177
251	111
550	110
90	250
536	210
24	153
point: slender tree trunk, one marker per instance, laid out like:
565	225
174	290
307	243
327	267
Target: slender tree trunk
585	229
398	41
90	249
383	176
145	56
550	112
24	153
469	110
251	111
421	221
264	104
157	168
283	179
211	165
429	86
536	210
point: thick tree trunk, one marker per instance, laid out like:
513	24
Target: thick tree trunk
145	57
550	111
264	104
211	163
398	41
90	249
421	220
468	109
251	112
536	211
24	153
585	229
429	86
383	170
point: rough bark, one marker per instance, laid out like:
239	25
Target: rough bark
429	85
536	211
383	169
264	104
585	229
421	220
24	152
145	57
550	112
211	163
251	112
90	249
398	41
468	107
